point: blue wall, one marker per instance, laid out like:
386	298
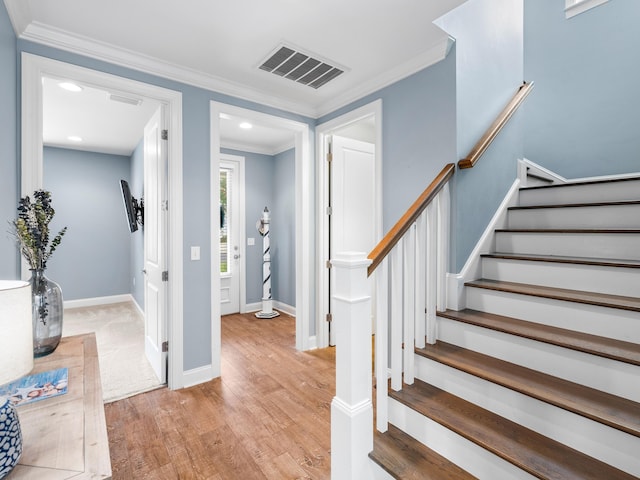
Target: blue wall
93	259
258	194
283	236
9	158
489	62
136	184
196	188
418	133
583	114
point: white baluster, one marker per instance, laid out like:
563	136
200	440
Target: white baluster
421	280
432	275
408	317
396	317
382	345
443	246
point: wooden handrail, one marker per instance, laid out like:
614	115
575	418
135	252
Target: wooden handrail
484	142
393	236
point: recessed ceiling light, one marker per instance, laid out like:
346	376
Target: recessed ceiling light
246	125
74	138
224	116
70	86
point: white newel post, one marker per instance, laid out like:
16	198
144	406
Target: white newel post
351	408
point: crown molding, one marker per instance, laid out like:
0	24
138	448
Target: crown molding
63	40
261	150
432	56
57	38
576	7
19	14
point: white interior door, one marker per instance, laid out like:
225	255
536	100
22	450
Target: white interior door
230	237
352	200
155	215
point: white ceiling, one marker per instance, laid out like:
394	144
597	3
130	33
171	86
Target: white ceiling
218	45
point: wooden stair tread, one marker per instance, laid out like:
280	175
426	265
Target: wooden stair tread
569	230
577	184
616	412
627	352
528	450
403	457
578	296
573	205
530	257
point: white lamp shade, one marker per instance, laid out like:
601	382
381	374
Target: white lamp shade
16	330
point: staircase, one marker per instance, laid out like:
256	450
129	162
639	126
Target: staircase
539	377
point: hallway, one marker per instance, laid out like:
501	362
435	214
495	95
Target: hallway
268	417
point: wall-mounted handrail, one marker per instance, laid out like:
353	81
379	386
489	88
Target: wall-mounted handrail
493	131
393	236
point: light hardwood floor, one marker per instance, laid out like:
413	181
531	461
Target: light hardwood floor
268	417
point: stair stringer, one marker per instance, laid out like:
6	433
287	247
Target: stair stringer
456	298
599	441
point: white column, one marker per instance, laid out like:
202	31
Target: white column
351	408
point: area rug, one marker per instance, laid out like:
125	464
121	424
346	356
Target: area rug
119	329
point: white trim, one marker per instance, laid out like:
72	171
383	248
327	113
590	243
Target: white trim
253	307
576	7
33	69
472	269
242	241
432	56
95	301
526	167
198	375
322	132
283	307
303	220
252	148
36	32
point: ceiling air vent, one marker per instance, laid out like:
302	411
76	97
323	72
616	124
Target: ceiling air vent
300	67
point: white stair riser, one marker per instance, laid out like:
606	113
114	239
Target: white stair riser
464	453
590	278
593	245
609	216
590	193
602	321
593	371
595	439
378	472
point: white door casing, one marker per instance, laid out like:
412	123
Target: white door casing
155	298
34	68
231	292
352	200
370	111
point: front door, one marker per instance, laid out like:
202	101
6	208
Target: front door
230	241
352	199
155	224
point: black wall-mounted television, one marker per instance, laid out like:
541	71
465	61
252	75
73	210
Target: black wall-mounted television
130	206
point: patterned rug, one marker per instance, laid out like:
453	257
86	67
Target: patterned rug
119	329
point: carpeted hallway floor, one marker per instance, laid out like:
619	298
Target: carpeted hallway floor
119	329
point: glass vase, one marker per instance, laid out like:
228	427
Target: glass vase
46	297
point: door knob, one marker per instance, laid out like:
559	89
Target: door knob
236	256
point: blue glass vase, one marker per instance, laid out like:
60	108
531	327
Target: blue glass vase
46	297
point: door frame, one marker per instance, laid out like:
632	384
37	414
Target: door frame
242	229
323	131
304	214
34	67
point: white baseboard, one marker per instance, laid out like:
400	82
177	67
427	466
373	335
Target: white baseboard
283	307
472	269
199	375
95	301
